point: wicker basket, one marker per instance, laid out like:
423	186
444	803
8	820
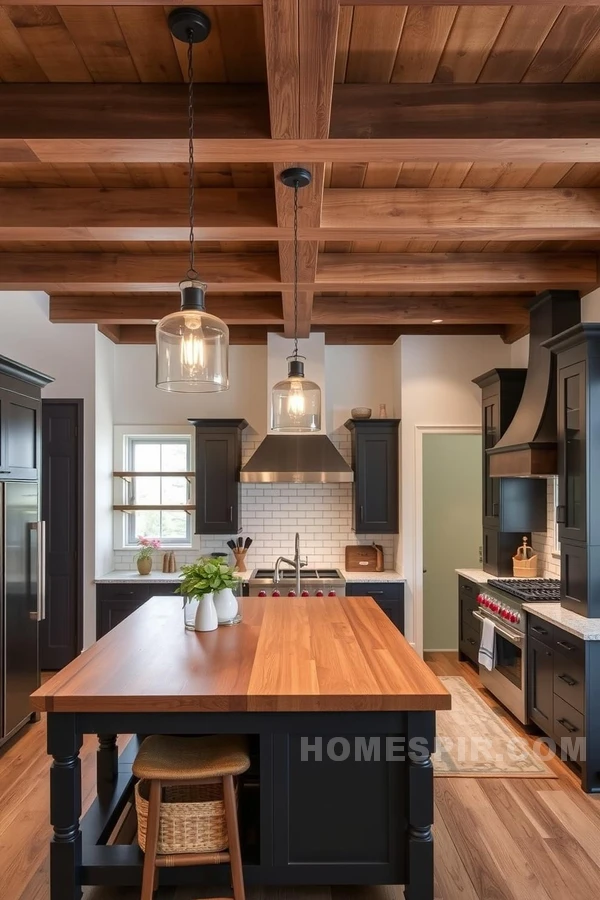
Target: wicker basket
524	564
192	818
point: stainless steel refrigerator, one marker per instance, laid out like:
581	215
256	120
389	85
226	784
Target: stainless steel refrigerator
22	592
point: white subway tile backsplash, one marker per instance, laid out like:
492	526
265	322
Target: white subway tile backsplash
543	542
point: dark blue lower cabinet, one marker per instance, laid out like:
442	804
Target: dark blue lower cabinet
389	595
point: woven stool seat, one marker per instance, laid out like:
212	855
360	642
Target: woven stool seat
174	758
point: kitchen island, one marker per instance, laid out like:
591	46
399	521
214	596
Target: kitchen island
340	713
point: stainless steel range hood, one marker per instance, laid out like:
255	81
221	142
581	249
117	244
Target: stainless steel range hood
296	459
528	447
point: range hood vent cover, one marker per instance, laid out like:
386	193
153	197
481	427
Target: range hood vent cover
528	447
296	459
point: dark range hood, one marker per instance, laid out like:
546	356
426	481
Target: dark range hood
296	459
528	446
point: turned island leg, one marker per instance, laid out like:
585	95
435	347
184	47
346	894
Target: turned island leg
107	764
420	803
65	807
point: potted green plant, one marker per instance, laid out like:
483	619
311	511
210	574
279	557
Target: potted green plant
210	581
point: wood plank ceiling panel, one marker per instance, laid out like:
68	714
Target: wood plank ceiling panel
17	62
149	43
374	43
571	34
44	32
98	37
470	41
424	36
524	31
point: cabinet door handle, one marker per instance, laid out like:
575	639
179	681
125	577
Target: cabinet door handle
372	593
495	509
561	515
4	471
538	630
471	641
568	725
361	512
568	680
231	513
565	646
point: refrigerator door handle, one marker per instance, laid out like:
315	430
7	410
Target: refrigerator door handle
40	527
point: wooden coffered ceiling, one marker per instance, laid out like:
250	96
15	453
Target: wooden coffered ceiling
455	154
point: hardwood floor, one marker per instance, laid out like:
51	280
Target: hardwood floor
496	839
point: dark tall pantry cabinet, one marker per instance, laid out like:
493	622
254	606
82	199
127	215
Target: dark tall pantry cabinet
22	545
578	511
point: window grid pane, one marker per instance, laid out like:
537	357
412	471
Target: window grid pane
158	454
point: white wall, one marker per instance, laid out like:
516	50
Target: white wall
358	375
66	352
519	353
435	378
104	387
139	402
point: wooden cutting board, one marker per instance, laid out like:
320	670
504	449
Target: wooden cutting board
364	558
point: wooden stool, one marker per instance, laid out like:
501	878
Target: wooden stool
165	760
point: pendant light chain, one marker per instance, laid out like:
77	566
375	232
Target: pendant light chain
296	270
192	273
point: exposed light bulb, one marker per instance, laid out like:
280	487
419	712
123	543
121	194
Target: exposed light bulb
296	405
192	354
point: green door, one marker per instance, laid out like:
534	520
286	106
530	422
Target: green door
452	532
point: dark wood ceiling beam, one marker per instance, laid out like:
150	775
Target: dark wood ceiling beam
468	214
259	272
160	214
465	111
334	334
101	272
421	310
455	271
538	150
143	112
137	214
144	310
300	97
101	123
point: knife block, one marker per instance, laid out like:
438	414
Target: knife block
240	559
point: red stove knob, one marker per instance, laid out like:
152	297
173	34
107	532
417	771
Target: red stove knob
480	599
506	614
495	607
305	594
319	594
275	594
291	593
262	593
486	601
332	594
515	617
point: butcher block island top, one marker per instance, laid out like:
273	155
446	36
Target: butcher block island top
302	654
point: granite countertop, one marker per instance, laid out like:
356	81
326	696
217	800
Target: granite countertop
389	575
477	575
132	576
586	629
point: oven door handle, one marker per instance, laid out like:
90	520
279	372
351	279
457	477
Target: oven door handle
513	637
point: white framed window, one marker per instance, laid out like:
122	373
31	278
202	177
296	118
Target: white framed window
159	501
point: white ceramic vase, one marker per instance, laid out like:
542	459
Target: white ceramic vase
206	614
227	606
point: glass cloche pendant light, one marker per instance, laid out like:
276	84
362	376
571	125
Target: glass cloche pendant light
192	346
296	402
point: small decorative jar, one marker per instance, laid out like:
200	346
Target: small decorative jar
190	608
144	565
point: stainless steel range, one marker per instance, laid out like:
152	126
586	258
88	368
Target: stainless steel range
320	582
501	600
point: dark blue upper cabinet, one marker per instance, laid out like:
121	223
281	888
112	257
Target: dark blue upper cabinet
375	460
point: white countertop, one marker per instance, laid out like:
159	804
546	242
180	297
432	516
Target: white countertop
173	577
477	575
389	575
586	629
133	576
